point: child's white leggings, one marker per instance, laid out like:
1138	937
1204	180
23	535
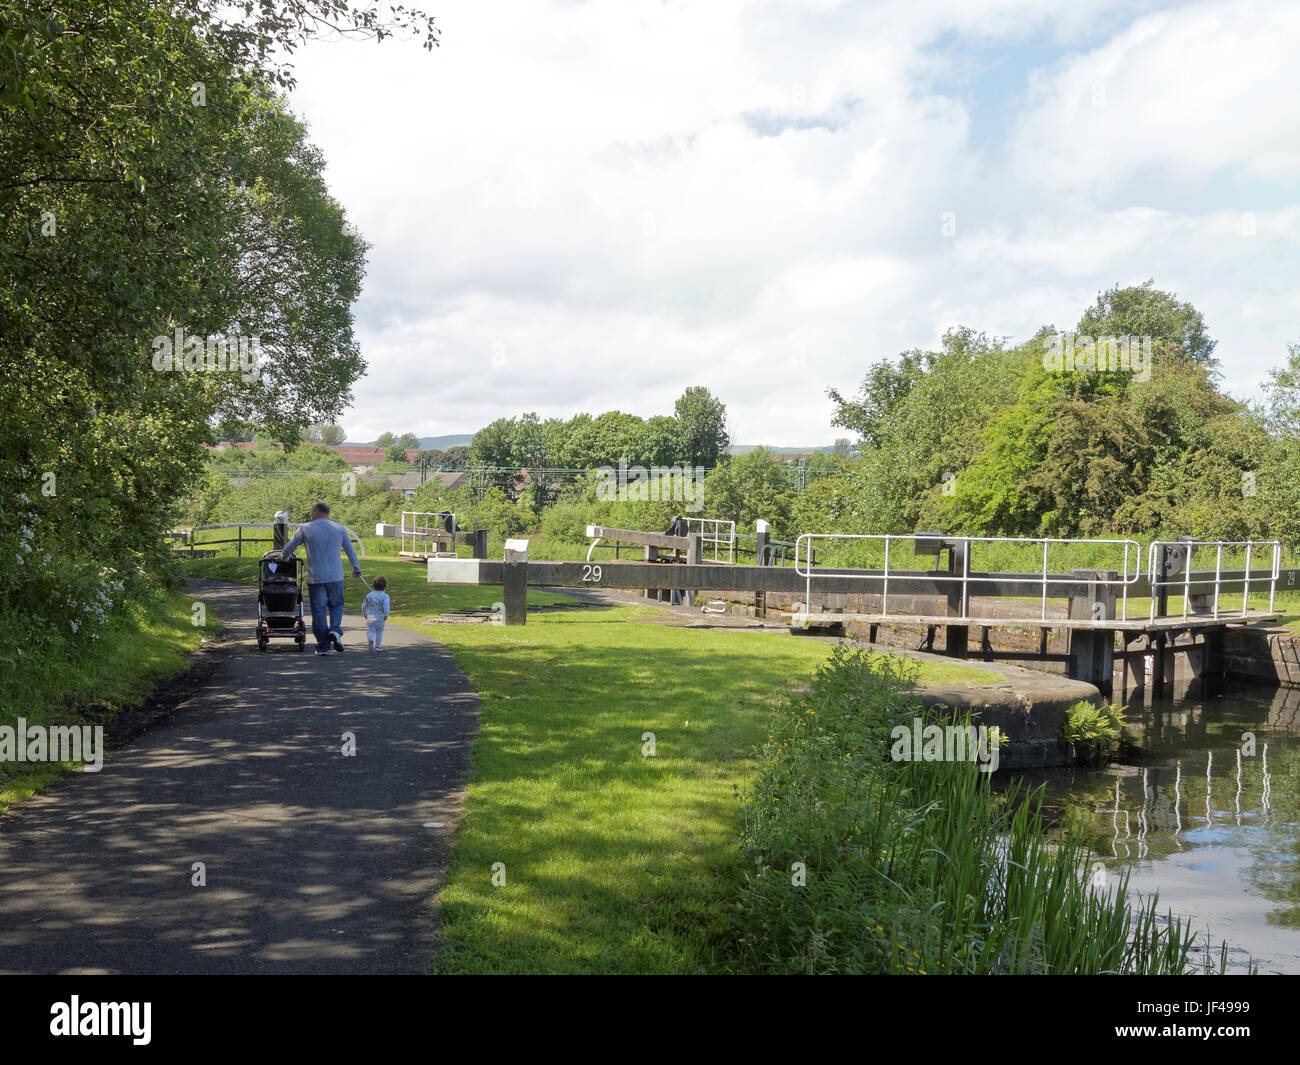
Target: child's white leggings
375	631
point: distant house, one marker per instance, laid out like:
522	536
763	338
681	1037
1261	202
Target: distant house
453	479
406	483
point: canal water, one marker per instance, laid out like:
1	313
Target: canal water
1203	806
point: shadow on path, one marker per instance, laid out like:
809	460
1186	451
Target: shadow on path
315	862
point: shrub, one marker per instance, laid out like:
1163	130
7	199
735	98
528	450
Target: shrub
915	867
1094	730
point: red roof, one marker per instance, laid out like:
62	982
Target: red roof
366	454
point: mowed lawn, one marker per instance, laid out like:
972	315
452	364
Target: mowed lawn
608	854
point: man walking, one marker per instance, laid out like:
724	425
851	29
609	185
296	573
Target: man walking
324	540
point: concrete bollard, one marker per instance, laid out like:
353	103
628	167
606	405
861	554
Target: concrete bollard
514	584
280	530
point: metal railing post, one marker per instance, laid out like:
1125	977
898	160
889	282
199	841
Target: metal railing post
1245	587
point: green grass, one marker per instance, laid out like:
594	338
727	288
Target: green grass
614	861
139	649
413	597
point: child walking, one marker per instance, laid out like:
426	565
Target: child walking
375	608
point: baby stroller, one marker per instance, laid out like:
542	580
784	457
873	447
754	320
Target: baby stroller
279	601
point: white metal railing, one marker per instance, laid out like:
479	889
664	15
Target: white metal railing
421	531
1184	580
716	532
804	550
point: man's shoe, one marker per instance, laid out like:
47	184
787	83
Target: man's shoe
336	638
320	652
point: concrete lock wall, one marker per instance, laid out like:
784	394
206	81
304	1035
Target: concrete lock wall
1266	654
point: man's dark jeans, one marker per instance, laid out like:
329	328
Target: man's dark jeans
325	597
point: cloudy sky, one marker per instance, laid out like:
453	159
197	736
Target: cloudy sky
593	205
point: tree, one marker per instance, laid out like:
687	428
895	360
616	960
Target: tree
1087	452
1283	392
885	386
605	440
1141	310
385	440
456	457
395	453
660	441
156	193
747	487
930	434
493	444
407	441
703	421
527	442
333	435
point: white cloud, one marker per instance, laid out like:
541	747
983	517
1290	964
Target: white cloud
593	206
1205	88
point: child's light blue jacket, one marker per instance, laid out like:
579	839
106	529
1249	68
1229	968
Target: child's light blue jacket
375	605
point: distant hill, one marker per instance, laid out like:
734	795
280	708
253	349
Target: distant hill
428	443
743	449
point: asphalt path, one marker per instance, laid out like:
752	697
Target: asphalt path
314	861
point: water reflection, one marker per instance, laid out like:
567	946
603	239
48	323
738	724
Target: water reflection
1204	807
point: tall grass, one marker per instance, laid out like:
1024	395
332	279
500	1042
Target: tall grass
916	867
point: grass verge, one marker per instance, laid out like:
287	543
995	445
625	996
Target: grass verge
614	859
139	649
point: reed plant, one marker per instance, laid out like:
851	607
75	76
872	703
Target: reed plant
855	863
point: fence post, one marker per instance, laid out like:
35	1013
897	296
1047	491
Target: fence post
480	543
694	557
239	544
956	637
762	531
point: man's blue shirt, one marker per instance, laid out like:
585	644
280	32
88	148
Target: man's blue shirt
324	540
